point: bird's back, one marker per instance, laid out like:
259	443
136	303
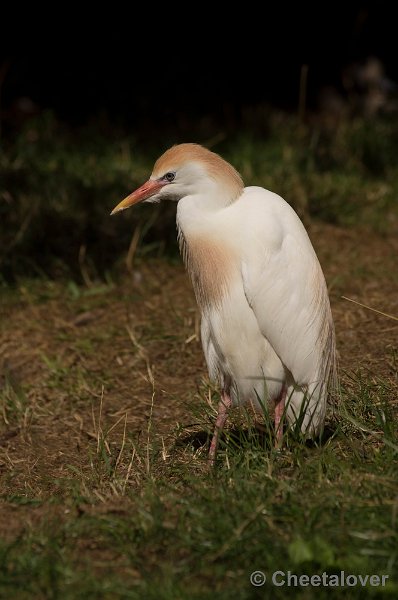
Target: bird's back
281	271
285	287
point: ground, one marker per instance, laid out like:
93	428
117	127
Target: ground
105	405
106	409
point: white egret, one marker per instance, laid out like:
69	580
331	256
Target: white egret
266	325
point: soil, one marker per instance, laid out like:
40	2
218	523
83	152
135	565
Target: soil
74	363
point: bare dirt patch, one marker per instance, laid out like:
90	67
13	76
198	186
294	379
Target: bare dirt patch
81	367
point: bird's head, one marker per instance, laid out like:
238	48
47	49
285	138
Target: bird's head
184	170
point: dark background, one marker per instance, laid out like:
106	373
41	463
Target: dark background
146	69
88	100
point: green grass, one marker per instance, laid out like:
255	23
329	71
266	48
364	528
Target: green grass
58	187
182	532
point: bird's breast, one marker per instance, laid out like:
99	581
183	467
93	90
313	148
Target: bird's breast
211	265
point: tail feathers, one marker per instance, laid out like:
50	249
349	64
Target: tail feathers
307	409
307	404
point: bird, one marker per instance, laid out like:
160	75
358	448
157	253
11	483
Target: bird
267	329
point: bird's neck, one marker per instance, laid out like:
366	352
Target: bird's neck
207	255
197	212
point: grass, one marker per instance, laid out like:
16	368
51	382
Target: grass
105	485
58	187
105	411
177	531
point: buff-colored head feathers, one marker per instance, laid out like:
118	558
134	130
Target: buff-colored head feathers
217	168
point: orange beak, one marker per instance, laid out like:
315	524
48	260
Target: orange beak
147	190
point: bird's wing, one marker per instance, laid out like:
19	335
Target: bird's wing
286	289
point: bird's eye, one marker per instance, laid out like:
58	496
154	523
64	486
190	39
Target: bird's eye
169	177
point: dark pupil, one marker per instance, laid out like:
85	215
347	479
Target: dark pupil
169	176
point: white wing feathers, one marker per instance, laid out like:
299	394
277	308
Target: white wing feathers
286	289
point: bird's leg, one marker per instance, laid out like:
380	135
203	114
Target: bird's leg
279	411
223	408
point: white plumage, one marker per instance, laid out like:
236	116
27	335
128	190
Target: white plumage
267	329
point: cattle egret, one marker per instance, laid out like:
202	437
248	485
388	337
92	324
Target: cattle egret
266	325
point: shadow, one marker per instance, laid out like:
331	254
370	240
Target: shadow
258	437
196	440
239	438
327	434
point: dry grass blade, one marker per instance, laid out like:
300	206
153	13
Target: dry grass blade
83	267
148	457
99	428
132	249
380	312
142	353
123	442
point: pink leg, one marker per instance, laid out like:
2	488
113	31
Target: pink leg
279	411
223	408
